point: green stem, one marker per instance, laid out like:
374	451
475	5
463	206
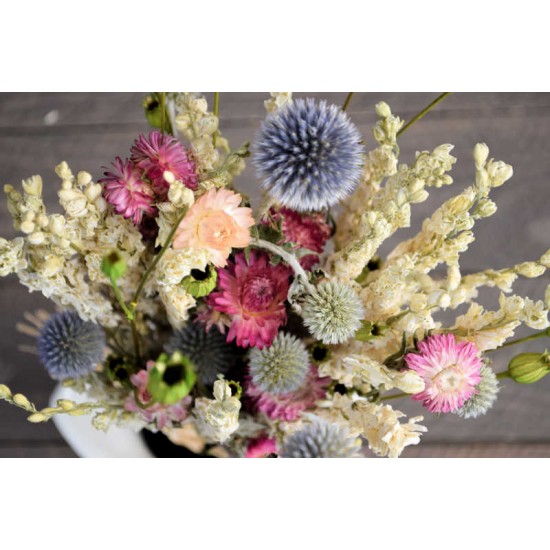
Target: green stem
135	338
423	112
151	268
396	396
535	336
503	374
216	112
348	101
162	98
120	300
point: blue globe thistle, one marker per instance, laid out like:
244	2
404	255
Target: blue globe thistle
70	347
208	351
332	312
484	399
281	367
308	155
321	439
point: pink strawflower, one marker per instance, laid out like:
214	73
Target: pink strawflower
165	416
158	153
261	448
308	231
130	195
451	371
289	406
253	294
217	223
207	316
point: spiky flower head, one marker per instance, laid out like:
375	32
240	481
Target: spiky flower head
125	189
281	367
308	155
208	351
158	153
321	439
451	371
485	396
332	312
70	347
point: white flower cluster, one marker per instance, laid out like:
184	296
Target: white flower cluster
60	254
217	419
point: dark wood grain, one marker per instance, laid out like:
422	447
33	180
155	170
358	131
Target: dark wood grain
93	128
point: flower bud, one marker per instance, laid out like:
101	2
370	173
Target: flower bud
20	400
113	265
57	224
83	178
37	417
27	227
499	172
530	269
36	238
5	392
63	171
383	109
527	368
485	208
481	154
33	186
66	404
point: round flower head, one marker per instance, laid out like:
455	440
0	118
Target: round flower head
321	439
308	155
124	188
309	231
485	396
70	347
289	406
216	223
451	371
208	351
252	293
332	312
158	153
281	367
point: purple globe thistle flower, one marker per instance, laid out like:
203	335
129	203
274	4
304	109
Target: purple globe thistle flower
70	347
308	155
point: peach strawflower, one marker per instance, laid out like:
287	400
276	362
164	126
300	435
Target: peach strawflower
216	223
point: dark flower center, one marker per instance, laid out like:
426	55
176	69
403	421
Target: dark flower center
199	275
173	374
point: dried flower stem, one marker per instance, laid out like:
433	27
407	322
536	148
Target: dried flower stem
424	111
216	112
348	101
290	259
541	334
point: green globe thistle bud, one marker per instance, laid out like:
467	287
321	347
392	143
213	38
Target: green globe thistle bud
281	367
332	312
484	398
528	368
200	283
171	378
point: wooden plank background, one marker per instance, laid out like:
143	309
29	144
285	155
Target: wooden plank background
91	129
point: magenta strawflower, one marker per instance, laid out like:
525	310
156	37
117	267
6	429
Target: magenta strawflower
261	448
451	371
253	294
308	231
158	153
289	406
130	195
165	416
